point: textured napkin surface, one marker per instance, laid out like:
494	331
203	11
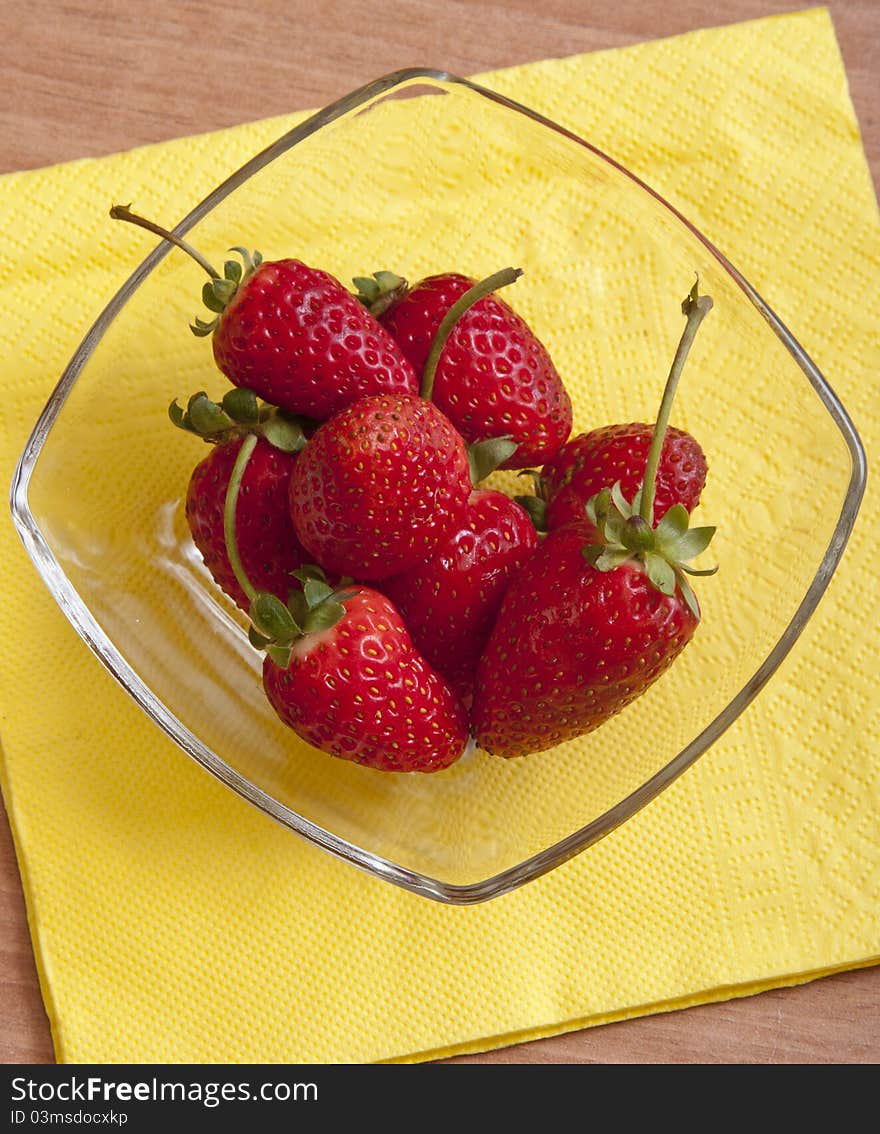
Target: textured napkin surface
174	923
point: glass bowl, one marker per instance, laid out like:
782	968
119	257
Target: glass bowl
421	172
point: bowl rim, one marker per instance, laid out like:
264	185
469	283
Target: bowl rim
81	618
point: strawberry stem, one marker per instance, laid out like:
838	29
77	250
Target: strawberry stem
463	303
124	213
229	510
695	307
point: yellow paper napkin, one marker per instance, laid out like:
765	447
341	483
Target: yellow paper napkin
174	923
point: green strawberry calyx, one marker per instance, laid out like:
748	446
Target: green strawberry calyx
239	413
535	503
380	291
664	551
276	627
485	456
627	528
219	290
313	607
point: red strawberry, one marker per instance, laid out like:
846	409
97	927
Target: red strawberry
341	669
379	486
270	551
359	690
571	647
451	600
617	454
493	378
585	628
292	333
298	338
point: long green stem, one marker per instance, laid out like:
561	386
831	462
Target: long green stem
229	510
695	307
473	295
123	212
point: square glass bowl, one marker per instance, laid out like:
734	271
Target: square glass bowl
422	172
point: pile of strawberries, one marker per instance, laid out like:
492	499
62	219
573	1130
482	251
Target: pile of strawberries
403	605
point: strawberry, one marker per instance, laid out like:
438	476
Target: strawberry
614	454
268	545
450	601
379	486
292	333
351	683
493	377
556	666
587	626
340	668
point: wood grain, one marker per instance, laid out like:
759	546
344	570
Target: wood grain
84	79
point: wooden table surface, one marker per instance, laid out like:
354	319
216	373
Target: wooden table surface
87	78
